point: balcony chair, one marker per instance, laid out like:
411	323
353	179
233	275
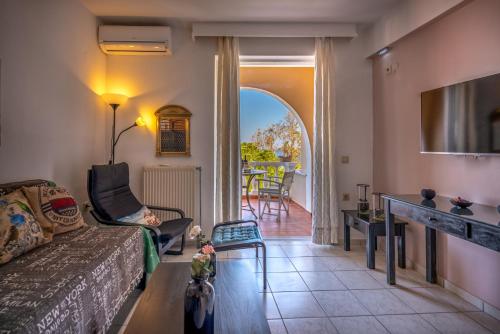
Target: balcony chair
273	189
111	198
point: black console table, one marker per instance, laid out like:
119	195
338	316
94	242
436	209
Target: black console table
478	224
372	229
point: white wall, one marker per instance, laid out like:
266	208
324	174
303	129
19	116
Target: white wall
404	18
52	123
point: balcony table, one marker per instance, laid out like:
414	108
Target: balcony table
251	173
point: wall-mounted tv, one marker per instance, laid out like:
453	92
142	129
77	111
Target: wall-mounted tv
462	118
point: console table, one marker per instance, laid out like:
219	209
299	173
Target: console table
372	229
478	224
238	307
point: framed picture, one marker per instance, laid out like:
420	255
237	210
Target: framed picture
173	131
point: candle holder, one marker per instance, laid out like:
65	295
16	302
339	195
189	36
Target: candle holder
378	206
363	205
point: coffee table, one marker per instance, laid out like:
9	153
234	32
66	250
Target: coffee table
238	307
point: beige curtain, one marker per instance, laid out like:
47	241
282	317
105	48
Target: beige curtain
228	178
325	206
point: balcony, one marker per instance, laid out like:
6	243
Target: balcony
298	223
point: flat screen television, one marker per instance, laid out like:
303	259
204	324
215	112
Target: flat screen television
462	118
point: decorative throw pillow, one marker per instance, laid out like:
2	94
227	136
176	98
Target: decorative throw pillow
143	217
19	231
54	208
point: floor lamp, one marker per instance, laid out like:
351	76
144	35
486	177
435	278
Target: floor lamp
114	101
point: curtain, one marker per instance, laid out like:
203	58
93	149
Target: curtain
228	178
325	216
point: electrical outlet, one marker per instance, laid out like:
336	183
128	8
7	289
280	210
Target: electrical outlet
344	159
346	197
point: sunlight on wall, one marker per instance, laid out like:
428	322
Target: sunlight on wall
120	85
97	82
148	115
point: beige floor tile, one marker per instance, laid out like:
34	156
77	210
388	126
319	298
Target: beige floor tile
358	325
270	308
298	305
423	300
247	253
277	326
340	303
284	282
381	301
402	281
342	263
357	279
406	324
454	323
486	320
309	264
317	280
274	251
309	326
278	265
252	264
297	250
326	250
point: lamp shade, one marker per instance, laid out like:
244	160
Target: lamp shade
117	99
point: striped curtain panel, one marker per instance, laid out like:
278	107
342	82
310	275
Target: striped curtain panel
325	216
228	169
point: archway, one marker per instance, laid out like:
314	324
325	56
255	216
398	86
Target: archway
301	192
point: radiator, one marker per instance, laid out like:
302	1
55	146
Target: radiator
175	187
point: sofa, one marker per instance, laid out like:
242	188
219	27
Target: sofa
75	284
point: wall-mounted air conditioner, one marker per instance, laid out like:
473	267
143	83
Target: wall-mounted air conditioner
135	40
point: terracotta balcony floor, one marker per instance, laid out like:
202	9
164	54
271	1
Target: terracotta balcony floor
297	224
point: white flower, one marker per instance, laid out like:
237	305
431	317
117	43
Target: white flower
194	232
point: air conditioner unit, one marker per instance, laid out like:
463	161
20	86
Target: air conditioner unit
135	40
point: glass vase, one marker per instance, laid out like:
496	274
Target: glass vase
199	306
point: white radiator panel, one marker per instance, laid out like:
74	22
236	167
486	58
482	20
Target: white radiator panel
174	187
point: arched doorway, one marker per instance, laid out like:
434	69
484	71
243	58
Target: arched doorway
273	110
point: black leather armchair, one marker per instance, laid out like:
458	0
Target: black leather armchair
111	198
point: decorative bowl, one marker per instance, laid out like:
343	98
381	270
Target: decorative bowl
428	193
460	202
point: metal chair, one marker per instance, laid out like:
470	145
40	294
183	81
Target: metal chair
111	198
273	187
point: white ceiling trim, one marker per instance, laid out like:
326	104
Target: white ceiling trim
274	29
277	61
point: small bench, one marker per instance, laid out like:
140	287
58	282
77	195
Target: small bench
240	234
372	229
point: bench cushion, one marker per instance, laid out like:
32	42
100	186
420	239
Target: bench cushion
75	284
228	235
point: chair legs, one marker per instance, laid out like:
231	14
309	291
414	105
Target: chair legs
179	251
264	264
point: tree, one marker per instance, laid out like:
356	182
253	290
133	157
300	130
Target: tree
283	137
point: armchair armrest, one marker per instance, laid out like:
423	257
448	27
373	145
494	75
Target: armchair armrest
161	208
235	222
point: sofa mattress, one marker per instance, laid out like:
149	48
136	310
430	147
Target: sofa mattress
75	284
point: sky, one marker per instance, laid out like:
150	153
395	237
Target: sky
258	110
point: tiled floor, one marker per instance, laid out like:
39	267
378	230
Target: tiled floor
322	289
297	223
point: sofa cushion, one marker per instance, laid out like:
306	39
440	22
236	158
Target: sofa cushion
19	231
75	284
55	209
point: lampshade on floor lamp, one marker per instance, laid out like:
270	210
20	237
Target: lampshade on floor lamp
114	100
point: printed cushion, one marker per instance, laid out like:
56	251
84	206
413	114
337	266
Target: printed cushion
55	209
19	231
143	217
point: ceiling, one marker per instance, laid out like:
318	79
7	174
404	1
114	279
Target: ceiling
348	11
